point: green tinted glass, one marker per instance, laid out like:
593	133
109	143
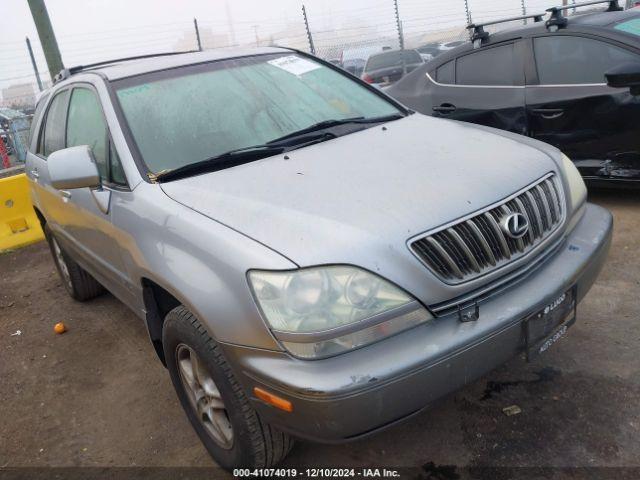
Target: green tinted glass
630	26
86	126
194	115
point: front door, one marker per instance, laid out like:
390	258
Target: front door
572	108
88	221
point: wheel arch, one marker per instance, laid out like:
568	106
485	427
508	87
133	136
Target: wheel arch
158	302
40	216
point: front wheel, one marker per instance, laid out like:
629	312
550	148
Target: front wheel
215	403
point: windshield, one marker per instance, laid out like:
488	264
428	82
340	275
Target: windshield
186	115
392	59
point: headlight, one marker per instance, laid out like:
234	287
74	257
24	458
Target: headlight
577	188
323	311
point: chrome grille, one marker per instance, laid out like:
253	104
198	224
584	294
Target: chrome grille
477	245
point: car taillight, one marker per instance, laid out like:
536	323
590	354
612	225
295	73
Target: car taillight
367	78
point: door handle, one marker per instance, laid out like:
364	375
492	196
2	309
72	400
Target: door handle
445	108
34	173
65	193
548	113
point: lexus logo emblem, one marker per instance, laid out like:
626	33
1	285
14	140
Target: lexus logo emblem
515	225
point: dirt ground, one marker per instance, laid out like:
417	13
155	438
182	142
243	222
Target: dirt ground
97	396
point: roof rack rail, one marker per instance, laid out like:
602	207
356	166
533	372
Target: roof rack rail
67	72
480	34
560	21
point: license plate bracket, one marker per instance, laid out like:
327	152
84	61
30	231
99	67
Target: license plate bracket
546	326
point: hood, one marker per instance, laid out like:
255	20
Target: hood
375	188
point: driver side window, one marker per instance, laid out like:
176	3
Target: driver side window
86	126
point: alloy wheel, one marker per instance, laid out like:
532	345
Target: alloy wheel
204	396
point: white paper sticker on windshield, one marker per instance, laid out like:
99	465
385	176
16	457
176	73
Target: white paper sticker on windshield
294	64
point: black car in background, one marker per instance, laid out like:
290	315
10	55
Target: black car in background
547	80
387	67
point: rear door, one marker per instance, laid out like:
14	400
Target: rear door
484	86
32	162
50	137
570	106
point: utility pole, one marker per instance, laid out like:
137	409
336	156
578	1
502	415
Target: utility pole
312	48
35	65
47	36
195	24
398	25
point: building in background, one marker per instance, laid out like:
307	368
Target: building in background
19	96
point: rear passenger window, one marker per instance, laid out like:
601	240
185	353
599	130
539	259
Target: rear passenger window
86	126
34	120
494	66
54	127
445	73
565	60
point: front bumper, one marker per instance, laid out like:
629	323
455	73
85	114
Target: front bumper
350	395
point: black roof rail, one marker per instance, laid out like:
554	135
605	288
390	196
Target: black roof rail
560	21
67	72
479	33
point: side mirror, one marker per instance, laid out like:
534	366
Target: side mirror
626	75
73	167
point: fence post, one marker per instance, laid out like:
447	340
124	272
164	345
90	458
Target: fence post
312	49
398	25
467	11
195	24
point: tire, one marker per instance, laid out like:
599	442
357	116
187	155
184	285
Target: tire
79	284
254	443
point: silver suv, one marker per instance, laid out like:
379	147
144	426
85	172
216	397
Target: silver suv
311	258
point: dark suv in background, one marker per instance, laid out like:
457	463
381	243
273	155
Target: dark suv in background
388	67
552	80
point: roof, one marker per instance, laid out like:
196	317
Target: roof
127	68
589	21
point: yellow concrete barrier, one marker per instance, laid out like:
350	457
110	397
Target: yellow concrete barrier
19	225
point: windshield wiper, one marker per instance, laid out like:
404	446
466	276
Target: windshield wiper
291	141
239	156
335	123
228	159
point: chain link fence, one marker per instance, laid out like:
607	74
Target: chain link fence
345	34
14	133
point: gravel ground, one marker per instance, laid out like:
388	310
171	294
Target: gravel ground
96	396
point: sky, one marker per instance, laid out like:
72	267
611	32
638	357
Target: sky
94	30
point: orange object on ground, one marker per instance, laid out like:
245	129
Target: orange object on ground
59	328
